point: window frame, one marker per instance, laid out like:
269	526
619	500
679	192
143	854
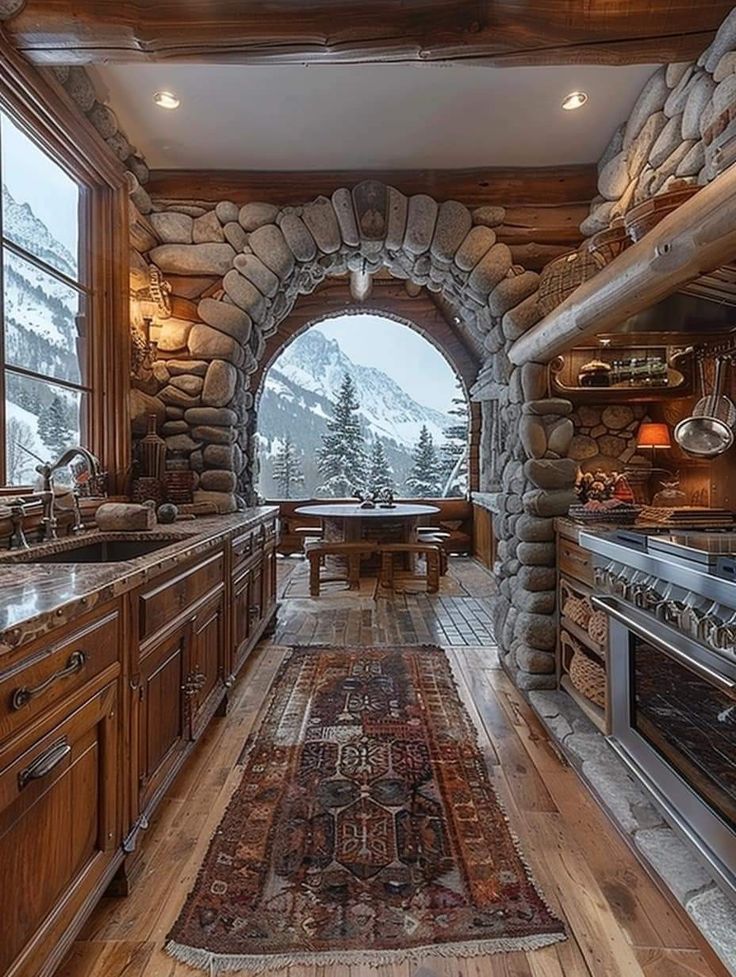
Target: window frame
40	107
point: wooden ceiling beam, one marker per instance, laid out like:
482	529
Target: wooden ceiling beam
541	187
496	32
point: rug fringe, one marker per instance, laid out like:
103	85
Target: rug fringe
218	963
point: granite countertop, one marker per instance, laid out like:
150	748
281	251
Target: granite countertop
37	597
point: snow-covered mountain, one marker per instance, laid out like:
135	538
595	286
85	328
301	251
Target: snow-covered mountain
297	399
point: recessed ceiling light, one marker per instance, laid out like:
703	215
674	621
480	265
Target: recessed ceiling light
167	100
574	100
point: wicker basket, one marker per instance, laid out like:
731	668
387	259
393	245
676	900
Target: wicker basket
577	609
587	675
649	213
562	276
607	245
598	628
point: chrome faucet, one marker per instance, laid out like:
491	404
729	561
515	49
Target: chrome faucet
46	471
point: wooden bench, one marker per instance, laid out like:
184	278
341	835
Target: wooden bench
431	553
431	534
317	550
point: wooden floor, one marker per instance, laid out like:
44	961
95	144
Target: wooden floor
620	924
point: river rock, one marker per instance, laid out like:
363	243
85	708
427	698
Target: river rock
534	661
224	502
178	398
611	445
489	215
178	368
209	343
226	318
211	416
244	294
725	67
397	207
651	99
173	335
536	554
533	381
174	427
214	435
521	318
617	417
677	98
548	405
218	481
598	219
640	149
235	235
491	269
559	473
535	529
252	268
181	444
103	119
321	221
699	97
533	436
256	214
537	630
174	413
725	40
193	259
693	161
453	223
172	227
537	578
79	86
511	291
227	211
220	456
477	242
219	383
207	228
342	202
614	177
161	372
269	244
548	502
582	446
189	384
420	223
298	238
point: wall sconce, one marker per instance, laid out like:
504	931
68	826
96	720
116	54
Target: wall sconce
153	303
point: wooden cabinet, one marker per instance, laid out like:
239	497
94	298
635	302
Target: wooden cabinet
162	727
59	830
96	719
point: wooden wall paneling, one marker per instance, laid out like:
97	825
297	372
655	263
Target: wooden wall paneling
483	549
518	188
42	105
320	31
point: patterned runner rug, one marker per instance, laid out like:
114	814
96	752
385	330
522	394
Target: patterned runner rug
365	828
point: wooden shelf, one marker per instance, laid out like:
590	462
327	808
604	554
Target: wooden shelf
583	637
594	713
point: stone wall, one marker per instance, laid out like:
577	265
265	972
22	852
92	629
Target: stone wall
673	133
605	437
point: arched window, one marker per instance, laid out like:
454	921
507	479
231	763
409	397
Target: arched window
361	402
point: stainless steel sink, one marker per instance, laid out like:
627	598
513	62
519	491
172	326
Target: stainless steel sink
98	551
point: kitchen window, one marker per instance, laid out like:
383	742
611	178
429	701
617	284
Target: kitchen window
44	294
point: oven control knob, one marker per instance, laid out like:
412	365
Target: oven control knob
722	636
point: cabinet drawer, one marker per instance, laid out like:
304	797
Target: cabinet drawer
244	547
575	561
160	606
29	687
59	827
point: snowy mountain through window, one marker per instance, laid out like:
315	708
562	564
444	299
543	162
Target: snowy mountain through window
345	407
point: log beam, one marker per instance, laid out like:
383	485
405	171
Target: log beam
496	32
695	239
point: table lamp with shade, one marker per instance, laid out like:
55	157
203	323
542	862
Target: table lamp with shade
655	435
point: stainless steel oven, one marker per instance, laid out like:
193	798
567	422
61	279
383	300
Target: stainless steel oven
673	714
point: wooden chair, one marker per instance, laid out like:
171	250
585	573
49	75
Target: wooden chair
317	550
431	553
428	534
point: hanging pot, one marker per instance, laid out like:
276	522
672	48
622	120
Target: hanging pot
705	435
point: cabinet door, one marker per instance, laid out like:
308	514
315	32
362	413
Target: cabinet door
59	826
269	579
205	683
162	731
241	618
256	595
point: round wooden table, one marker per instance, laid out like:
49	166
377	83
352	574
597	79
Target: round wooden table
348	522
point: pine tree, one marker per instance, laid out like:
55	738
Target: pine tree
425	478
455	447
20	465
379	471
287	468
53	426
342	454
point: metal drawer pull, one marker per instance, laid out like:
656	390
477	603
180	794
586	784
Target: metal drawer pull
22	696
44	764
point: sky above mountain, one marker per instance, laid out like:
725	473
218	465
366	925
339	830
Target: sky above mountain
405	356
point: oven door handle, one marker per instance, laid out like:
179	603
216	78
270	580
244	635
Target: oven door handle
610	606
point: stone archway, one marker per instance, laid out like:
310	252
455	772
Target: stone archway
238	274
